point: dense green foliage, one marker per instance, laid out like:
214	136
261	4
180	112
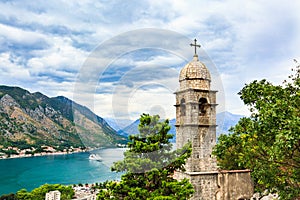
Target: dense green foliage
149	165
268	142
39	193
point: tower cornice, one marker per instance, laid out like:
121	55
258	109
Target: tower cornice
196	90
197	103
196	125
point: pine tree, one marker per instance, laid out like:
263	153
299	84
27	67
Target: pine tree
150	164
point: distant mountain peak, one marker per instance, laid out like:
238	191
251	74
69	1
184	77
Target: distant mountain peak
225	120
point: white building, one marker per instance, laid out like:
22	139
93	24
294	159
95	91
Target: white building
53	195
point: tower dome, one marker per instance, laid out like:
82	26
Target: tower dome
194	70
195	75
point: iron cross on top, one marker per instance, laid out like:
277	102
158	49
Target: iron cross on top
195	45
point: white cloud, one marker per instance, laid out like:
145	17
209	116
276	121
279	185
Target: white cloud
15	36
9	68
128	103
44	45
60	56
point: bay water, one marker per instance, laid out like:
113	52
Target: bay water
68	169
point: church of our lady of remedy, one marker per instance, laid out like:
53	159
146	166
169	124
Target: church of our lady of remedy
196	123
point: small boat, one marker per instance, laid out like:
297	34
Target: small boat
95	157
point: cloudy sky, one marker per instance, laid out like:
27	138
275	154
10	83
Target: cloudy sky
122	58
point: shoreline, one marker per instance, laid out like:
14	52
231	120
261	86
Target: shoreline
53	153
41	154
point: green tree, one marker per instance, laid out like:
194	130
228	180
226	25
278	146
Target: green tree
149	165
39	193
23	194
267	142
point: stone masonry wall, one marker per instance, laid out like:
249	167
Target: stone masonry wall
205	184
195	84
235	185
220	185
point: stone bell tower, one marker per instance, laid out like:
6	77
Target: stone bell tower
196	115
196	123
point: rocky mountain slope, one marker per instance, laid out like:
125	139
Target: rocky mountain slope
35	120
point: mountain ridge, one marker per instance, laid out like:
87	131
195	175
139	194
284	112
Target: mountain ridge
224	120
32	120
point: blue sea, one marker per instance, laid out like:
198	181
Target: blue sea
32	172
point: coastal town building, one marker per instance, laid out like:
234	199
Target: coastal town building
53	195
86	192
196	123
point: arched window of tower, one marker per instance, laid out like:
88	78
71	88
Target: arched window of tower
182	107
202	106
